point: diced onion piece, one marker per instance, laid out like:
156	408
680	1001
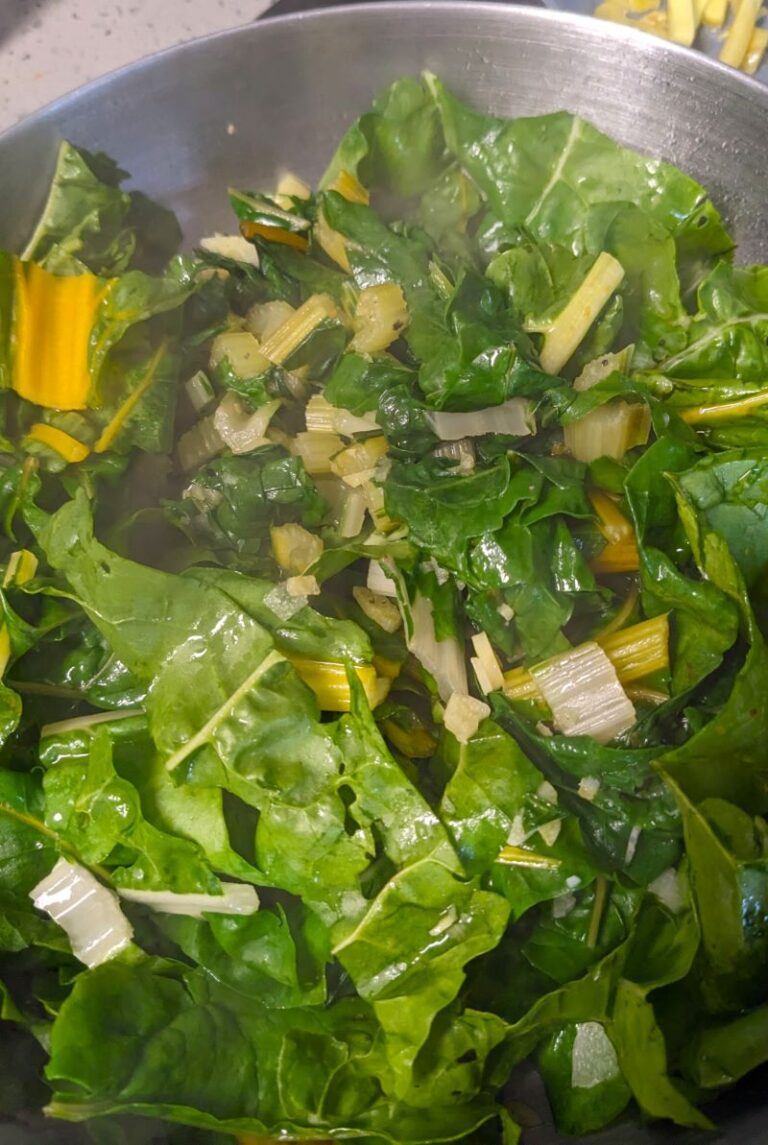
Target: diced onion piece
204	498
570	327
755	53
294	547
514	417
682	21
608	431
593	1058
491	670
550	831
21	568
199	391
381	315
234	247
547	791
323	417
740	33
381	609
360	458
328	680
316	450
199	444
379	581
506	612
563	905
237	898
291	333
443	659
284	603
331	242
293	187
462	452
666	887
265	317
584	694
302	586
714	13
240	429
588	788
463	715
87	911
241	350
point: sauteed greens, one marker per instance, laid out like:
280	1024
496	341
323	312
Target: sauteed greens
384	645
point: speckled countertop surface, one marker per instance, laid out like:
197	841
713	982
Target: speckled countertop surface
50	47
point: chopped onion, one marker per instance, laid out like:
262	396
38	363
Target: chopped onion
588	788
443	659
199	444
86	910
302	586
284	603
600	368
514	417
238	898
506	612
666	887
379	581
584	694
240	429
547	792
379	608
205	499
563	905
321	415
461	452
234	247
463	715
485	659
550	831
593	1058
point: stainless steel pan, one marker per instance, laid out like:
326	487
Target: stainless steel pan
289	86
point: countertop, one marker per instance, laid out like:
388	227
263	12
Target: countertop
50	47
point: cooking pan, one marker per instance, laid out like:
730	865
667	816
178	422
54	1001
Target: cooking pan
238	106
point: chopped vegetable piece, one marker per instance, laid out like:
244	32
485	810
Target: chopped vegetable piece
54	317
381	315
86	910
640	650
570	327
584	694
328	680
714	13
62	443
331	242
608	431
350	188
514	417
294	547
463	715
443	659
293	187
352	517
289	336
485	659
322	417
379	608
756	49
264	318
740	33
251	230
233	247
241	350
316	449
21	568
199	444
682	21
238	427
